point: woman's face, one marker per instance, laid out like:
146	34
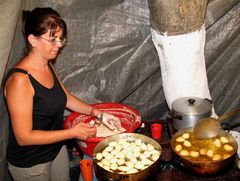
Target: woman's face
48	46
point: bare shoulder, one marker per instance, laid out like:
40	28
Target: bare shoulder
18	82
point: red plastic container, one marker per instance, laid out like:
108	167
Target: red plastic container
130	120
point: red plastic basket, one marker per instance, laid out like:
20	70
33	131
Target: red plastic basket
130	120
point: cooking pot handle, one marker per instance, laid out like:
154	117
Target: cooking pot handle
175	116
227	125
209	100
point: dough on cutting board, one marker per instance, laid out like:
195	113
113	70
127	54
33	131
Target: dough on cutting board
103	131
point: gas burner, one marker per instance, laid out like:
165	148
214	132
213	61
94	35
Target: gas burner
167	165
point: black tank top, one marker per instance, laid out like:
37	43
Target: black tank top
48	109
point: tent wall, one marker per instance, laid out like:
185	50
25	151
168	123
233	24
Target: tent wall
9	11
109	54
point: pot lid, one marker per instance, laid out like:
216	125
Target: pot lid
192	106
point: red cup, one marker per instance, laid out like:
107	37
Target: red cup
86	167
156	130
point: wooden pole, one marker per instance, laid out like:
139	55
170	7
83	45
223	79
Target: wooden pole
175	17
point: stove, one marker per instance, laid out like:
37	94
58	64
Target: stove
169	168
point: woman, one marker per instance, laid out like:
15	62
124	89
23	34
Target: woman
36	100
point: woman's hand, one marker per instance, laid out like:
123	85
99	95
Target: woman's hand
111	121
84	131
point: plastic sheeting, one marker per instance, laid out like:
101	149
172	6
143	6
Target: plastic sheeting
8	17
110	56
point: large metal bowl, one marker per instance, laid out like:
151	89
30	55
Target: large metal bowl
204	167
145	174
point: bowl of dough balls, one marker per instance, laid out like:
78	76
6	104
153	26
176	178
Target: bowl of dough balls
204	156
126	156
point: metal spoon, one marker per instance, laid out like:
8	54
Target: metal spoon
210	127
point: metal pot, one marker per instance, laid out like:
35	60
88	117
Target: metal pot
186	111
145	174
201	166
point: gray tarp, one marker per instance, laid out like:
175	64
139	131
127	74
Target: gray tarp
110	57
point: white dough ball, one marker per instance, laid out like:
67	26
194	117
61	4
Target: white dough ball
99	156
150	147
138	142
112	143
139	165
120	161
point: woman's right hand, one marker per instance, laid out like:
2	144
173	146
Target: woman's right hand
84	131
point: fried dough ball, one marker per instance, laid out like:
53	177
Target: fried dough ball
178	148
203	151
194	154
180	139
187	143
228	147
186	135
216	157
209	153
225	156
184	153
224	140
217	143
